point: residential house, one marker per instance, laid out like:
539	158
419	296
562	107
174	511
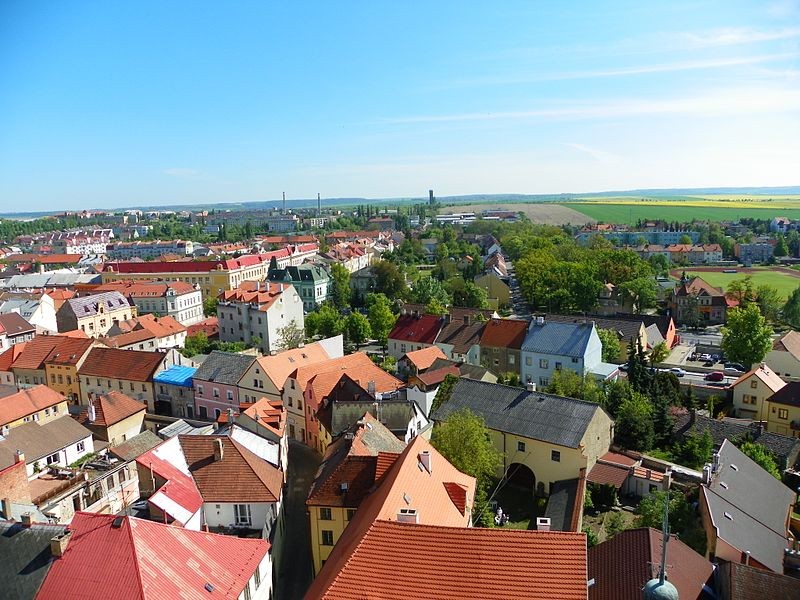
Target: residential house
311	283
552	346
7	359
697	302
29	367
268	419
38	404
419	515
413	331
27	555
621	566
752	391
256	312
780	224
14	329
267	375
543	438
784	358
147	332
62	363
782	410
629	475
108	556
150	249
363	282
628	331
216	383
459	337
175	391
95	314
38	310
417	361
755	252
113	417
423	387
497	290
501	343
177	299
745	511
307	387
128	371
351	467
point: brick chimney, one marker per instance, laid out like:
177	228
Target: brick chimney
19	457
6	503
58	544
425	459
219	451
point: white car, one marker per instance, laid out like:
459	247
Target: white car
705	357
677	371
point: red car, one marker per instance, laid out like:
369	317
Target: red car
715	376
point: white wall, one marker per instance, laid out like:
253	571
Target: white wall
783	363
423	399
224	516
67	455
265	570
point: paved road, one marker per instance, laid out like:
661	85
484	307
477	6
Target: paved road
295	572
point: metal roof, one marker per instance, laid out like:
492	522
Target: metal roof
224	367
177	375
562	339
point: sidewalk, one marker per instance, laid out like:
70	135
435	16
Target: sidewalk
679	354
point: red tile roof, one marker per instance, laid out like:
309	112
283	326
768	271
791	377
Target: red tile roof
69	351
268	413
111	408
158	326
422	359
437	376
8	357
444	563
146	560
622	565
36	351
323	376
504	333
618	459
208	326
26	402
416	329
240	475
608	475
130	365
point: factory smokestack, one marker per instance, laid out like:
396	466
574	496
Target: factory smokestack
430	197
319	206
284	201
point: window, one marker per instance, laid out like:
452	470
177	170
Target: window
247	595
257	576
544	381
555	455
574	359
217	413
110	482
242	515
325	514
754	384
783	413
351	512
511	359
520	446
80	446
52	378
543	364
216	392
52	459
200	390
230	395
299	405
748	399
528	361
558	366
327	537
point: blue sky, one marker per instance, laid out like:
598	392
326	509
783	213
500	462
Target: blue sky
122	104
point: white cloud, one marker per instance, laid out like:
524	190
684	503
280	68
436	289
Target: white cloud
736	36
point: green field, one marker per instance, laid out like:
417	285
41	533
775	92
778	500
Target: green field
785	284
608	212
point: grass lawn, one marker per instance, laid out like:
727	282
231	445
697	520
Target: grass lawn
630	213
785	284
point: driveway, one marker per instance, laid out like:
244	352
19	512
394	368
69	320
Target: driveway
294	577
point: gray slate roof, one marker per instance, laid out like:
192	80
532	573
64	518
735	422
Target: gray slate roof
26	557
137	445
226	368
311	273
545	417
38	441
88	305
562	339
757	505
624	328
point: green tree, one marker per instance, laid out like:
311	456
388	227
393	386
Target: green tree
463	439
639	376
685	239
642	292
210	306
634	424
615	524
695	450
467	294
763	457
196	344
290	336
591	537
651	511
357	328
381	318
388	279
434	307
340	286
443	392
746	338
791	310
781	248
428	290
768	299
611	345
659	353
570	384
330	321
742	290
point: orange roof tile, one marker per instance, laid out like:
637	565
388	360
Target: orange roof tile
130	365
36	351
455	563
604	474
270	414
111	408
69	351
158	326
240	476
504	333
324	376
8	357
765	374
279	366
26	402
422	359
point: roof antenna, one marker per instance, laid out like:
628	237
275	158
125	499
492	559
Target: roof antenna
659	588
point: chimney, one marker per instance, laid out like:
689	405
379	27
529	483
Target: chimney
467	319
530	386
715	462
667	481
58	544
284	201
371	387
218	450
425	459
707	474
19	457
27	519
6	504
542	524
92	413
407	515
231	416
430	196
447	318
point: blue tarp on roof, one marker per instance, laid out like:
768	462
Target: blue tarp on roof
177	375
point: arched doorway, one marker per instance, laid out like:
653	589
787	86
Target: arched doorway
521	476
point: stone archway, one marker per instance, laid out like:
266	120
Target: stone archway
520	475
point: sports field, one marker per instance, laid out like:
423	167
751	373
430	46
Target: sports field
630	212
784	280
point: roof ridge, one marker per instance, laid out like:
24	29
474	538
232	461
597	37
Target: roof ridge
244	452
136	557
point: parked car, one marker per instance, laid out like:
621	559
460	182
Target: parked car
733	371
693	356
715	376
737	366
677	371
705	357
140	505
709	363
